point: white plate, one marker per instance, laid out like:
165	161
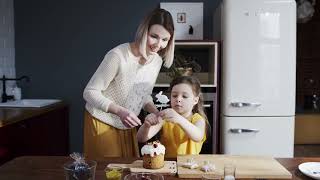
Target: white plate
311	169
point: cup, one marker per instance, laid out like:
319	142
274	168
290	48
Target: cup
229	172
210	177
113	172
82	172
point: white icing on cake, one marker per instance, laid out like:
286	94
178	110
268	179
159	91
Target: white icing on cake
153	148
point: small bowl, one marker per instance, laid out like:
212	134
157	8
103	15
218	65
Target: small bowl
86	173
143	176
114	172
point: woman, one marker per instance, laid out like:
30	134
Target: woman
122	86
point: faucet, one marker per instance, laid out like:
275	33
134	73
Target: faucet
4	96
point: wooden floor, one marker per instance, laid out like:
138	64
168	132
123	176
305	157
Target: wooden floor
307	150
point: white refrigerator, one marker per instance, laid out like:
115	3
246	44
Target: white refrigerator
258	77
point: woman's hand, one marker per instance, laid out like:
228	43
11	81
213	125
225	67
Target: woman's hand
170	115
128	118
152	119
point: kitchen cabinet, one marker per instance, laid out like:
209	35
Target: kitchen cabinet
307	128
206	54
34	131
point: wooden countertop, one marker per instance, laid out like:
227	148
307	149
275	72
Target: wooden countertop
51	167
13	115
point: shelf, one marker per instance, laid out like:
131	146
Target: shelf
195	43
166	105
202	85
206	52
206	79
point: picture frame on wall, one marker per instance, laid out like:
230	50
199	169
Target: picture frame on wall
188	19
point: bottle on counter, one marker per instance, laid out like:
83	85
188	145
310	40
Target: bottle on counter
16	92
229	172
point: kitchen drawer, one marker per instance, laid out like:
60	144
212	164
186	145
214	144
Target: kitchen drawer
261	136
307	129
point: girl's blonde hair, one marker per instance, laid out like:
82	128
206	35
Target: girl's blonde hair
160	17
195	86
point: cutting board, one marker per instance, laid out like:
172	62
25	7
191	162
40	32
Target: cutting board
170	167
252	167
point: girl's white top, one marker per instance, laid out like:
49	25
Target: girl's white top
122	80
151	149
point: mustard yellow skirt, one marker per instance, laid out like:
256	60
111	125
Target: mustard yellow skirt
102	140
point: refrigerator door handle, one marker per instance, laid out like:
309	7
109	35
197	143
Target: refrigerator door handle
239	130
244	104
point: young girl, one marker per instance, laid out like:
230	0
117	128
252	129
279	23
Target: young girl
184	124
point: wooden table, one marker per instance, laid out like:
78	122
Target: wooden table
50	167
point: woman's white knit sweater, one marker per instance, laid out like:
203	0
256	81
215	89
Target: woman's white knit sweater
122	80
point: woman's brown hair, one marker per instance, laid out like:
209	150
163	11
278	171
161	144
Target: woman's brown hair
160	17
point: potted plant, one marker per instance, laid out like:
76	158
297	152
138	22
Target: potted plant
183	66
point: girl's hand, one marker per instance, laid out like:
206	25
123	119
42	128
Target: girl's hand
128	118
152	119
170	115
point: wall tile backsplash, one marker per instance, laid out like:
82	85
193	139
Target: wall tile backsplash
7	50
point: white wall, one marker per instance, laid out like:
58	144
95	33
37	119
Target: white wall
7	50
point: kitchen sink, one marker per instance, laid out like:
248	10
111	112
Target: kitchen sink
34	103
